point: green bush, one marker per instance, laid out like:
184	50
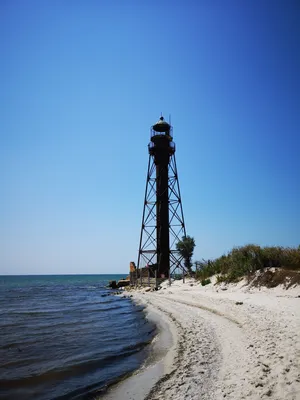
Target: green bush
205	282
206	268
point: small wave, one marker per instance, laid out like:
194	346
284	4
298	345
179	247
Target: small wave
53	313
103	309
130	312
16	345
72	370
20	363
37	313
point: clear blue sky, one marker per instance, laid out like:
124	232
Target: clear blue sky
80	84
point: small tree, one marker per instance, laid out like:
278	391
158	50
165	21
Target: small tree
186	246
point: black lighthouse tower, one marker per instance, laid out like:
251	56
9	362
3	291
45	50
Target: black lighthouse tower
162	221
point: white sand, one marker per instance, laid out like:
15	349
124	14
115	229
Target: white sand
225	350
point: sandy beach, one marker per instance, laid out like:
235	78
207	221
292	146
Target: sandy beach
224	341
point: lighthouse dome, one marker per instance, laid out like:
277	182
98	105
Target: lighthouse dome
161	126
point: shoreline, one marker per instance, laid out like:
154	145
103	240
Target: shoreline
157	364
229	341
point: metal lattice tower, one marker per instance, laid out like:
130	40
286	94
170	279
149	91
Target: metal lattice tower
162	222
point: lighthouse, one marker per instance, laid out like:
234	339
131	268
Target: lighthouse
162	219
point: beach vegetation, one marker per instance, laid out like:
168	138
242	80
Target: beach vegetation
221	278
186	247
246	260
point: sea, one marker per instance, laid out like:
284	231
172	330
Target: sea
67	336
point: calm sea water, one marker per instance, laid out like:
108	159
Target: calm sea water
66	337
